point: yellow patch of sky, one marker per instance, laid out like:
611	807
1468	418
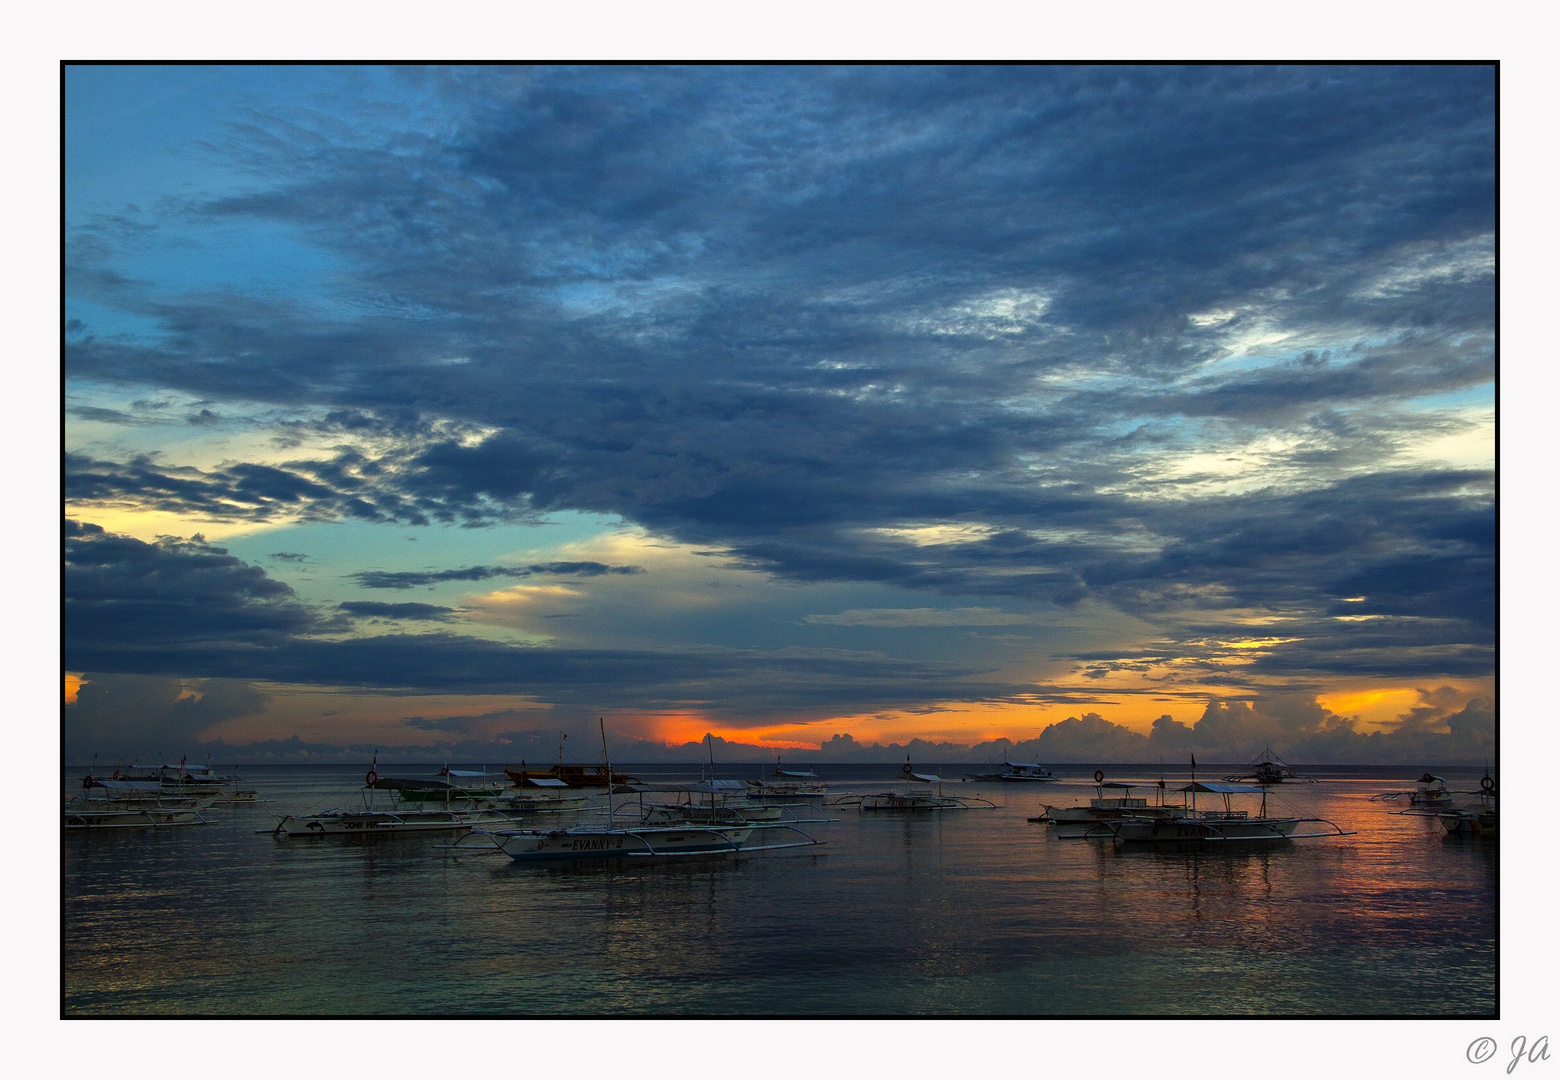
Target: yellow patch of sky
1470	445
73	685
1381	705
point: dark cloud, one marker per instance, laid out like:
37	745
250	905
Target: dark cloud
783	311
384	579
368	609
153	720
183	608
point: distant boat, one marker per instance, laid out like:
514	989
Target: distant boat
1267	769
1014	772
788	784
182	781
382	815
913	801
575	776
611	840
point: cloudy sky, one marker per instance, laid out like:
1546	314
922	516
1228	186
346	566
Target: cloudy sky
1114	412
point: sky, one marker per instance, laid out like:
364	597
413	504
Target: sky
1083	413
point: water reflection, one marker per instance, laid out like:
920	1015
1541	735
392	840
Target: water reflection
973	911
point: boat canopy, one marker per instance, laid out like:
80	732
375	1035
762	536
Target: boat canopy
1223	789
128	785
469	773
1024	764
543	781
796	775
1117	784
1431	778
926	778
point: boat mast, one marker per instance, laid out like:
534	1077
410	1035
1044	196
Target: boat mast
608	766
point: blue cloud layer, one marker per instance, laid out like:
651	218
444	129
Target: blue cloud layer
788	311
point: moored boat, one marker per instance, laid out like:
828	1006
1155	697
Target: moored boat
1267	769
788	784
1015	772
1112	801
912	801
1192	827
344	822
130	804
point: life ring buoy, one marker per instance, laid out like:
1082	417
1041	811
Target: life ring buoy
1488	783
371	778
908	770
1099	775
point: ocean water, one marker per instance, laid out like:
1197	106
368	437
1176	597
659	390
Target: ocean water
961	913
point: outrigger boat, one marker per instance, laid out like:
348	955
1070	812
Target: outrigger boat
609	840
576	776
1016	772
913	801
182	781
710	802
789	784
378	820
1191	827
130	804
1471	819
1113	801
1267	769
452	785
1431	791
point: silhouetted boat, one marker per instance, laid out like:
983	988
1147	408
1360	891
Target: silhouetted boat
912	801
1267	769
1076	822
1016	772
1189	826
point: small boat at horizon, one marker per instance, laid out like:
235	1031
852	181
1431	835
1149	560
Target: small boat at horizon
788	784
1267	769
1016	772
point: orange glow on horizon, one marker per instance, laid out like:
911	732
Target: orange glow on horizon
677	730
73	685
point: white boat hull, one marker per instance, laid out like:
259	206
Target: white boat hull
1181	830
137	818
369	823
531	845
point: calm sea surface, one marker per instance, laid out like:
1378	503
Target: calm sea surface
959	913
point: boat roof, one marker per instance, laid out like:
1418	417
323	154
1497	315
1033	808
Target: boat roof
128	785
1222	789
925	778
809	775
1023	764
468	772
1117	783
543	781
